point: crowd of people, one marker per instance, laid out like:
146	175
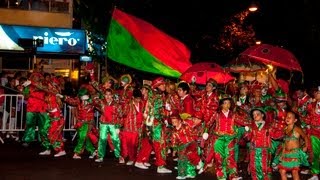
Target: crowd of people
279	128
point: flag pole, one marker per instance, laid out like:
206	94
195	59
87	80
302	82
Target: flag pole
113	7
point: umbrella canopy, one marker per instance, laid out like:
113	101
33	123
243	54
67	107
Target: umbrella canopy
274	55
201	72
240	65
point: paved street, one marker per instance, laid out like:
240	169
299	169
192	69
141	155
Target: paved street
20	163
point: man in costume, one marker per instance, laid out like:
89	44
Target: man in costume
155	122
36	112
132	127
87	139
110	122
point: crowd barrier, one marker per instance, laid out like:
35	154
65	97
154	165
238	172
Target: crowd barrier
13	114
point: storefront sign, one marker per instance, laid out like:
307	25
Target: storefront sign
55	40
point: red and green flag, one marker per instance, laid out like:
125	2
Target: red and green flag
138	44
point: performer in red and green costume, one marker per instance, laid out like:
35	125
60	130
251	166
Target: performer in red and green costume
85	122
313	124
259	134
184	141
56	117
36	112
132	127
109	125
155	122
225	132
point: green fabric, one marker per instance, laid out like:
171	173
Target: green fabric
156	133
258	162
185	168
294	159
43	126
123	48
83	140
315	164
221	146
104	130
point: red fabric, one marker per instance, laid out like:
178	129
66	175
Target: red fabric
274	55
129	144
145	151
187	106
165	48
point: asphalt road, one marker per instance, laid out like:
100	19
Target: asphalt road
20	163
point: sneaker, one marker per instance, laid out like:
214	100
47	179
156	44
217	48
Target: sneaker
180	177
200	165
305	171
129	163
121	160
201	170
25	144
176	167
163	170
289	175
61	153
45	153
147	164
76	156
190	177
140	165
314	177
93	155
99	160
236	178
175	159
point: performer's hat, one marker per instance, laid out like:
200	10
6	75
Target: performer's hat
82	92
224	97
157	82
280	96
126	79
258	109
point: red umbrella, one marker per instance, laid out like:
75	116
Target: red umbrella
201	72
274	55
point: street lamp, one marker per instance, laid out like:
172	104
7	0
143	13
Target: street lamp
253	7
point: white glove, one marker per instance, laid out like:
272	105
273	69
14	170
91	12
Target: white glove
238	103
118	131
246	128
168	107
27	83
205	136
53	110
59	96
84	97
166	123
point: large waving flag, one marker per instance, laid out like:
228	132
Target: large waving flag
140	45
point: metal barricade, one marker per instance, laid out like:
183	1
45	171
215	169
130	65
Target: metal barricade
13	113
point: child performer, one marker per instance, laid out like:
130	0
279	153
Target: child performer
292	156
132	127
109	124
259	134
184	140
84	123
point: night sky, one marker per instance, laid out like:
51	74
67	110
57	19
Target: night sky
286	23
